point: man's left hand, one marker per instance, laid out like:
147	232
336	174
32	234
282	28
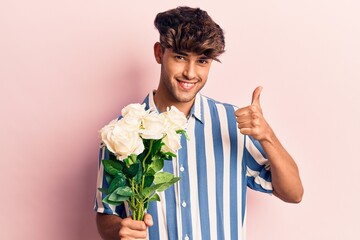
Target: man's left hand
251	121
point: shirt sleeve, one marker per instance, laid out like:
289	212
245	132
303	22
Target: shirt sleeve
257	166
99	206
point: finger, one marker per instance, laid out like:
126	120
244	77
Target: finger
132	234
248	113
253	123
133	224
246	124
242	115
241	112
148	220
242	122
246	131
256	96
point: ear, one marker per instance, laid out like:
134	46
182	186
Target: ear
158	52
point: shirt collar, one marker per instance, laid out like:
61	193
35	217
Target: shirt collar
197	110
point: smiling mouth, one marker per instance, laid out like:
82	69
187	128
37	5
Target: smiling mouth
186	85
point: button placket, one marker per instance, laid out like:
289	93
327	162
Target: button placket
182	169
184	187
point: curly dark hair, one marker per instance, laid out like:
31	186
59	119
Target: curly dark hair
190	30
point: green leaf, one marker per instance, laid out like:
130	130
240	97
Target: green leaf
169	155
112	156
149	190
141	156
180	131
155	148
146	142
132	170
118	181
108	178
112	167
133	158
162	177
137	197
148	180
139	174
124	191
168	184
104	190
157	164
157	144
155	197
164	181
114	197
183	132
150	172
115	203
127	161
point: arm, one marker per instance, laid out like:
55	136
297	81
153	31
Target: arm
284	171
112	227
108	226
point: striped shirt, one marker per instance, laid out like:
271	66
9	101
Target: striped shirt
216	165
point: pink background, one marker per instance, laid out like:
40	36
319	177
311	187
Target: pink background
68	67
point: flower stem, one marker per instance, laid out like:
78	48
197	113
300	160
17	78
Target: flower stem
138	204
132	199
148	153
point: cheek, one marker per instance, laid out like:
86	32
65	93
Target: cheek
171	69
204	74
166	71
174	70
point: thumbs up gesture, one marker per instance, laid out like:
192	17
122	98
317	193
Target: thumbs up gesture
250	119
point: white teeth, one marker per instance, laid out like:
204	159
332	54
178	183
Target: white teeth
187	85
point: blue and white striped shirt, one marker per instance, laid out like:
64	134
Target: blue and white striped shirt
216	165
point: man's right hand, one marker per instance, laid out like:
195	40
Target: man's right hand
131	229
112	227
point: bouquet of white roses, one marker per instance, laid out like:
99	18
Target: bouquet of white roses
138	144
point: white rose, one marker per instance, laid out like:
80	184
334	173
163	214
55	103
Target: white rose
135	110
171	141
176	119
153	126
105	133
130	123
120	140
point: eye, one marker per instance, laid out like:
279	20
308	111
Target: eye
203	61
179	57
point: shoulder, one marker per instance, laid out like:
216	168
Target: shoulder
211	102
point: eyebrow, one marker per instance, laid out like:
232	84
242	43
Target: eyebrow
181	53
185	54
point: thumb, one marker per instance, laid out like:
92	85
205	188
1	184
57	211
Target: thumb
148	220
256	96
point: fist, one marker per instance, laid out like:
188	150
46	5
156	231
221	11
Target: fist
250	119
131	229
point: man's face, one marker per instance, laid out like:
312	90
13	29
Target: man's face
183	75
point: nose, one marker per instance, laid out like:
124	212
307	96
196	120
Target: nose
189	71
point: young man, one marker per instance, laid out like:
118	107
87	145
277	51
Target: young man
229	149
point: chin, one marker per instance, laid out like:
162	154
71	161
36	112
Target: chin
184	98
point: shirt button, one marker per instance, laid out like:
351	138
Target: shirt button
186	237
182	169
183	204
